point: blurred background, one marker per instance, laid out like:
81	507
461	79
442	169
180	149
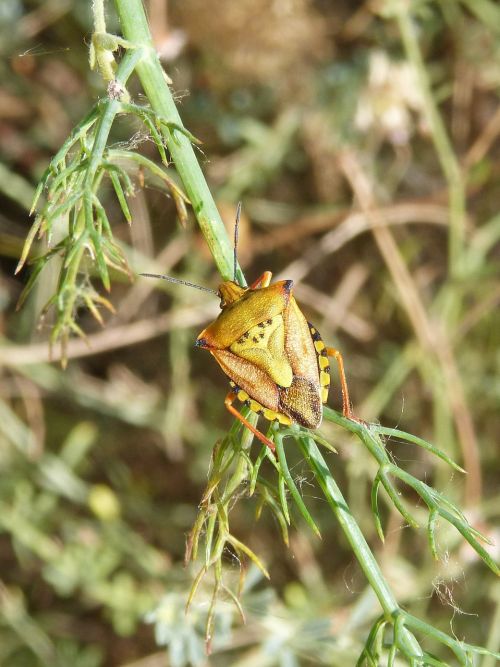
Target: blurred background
367	162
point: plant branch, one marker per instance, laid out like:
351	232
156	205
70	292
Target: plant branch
364	555
154	81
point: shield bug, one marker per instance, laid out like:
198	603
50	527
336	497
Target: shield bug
276	361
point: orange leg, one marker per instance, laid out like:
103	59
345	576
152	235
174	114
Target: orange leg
346	403
229	405
263	281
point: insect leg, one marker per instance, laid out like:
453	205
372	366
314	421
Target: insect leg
263	281
228	402
346	403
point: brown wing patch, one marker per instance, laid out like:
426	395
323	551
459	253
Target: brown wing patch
246	375
299	345
302	402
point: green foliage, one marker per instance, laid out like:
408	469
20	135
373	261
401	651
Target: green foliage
74	221
234	475
101	467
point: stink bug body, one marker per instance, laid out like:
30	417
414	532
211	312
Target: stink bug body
276	361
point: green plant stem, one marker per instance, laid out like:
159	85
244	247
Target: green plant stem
99	16
125	69
444	149
154	81
365	557
241	472
493	643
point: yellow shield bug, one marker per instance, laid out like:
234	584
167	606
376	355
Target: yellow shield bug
276	361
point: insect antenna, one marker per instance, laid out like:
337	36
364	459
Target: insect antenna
179	281
235	247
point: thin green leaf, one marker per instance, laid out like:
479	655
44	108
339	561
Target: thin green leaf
236	602
59	180
393	432
282	496
394	496
317	437
77	134
120	195
268	499
122	174
465	531
194	587
115	258
453	515
366	658
222	516
246	550
211	617
101	260
153	168
102	217
296	431
431	530
373	640
75	248
181	208
143	111
39	189
433	661
192	541
375	510
212	520
392	656
157	138
175	127
62	208
420	626
30	284
292	487
255	470
78	331
93	310
27	244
